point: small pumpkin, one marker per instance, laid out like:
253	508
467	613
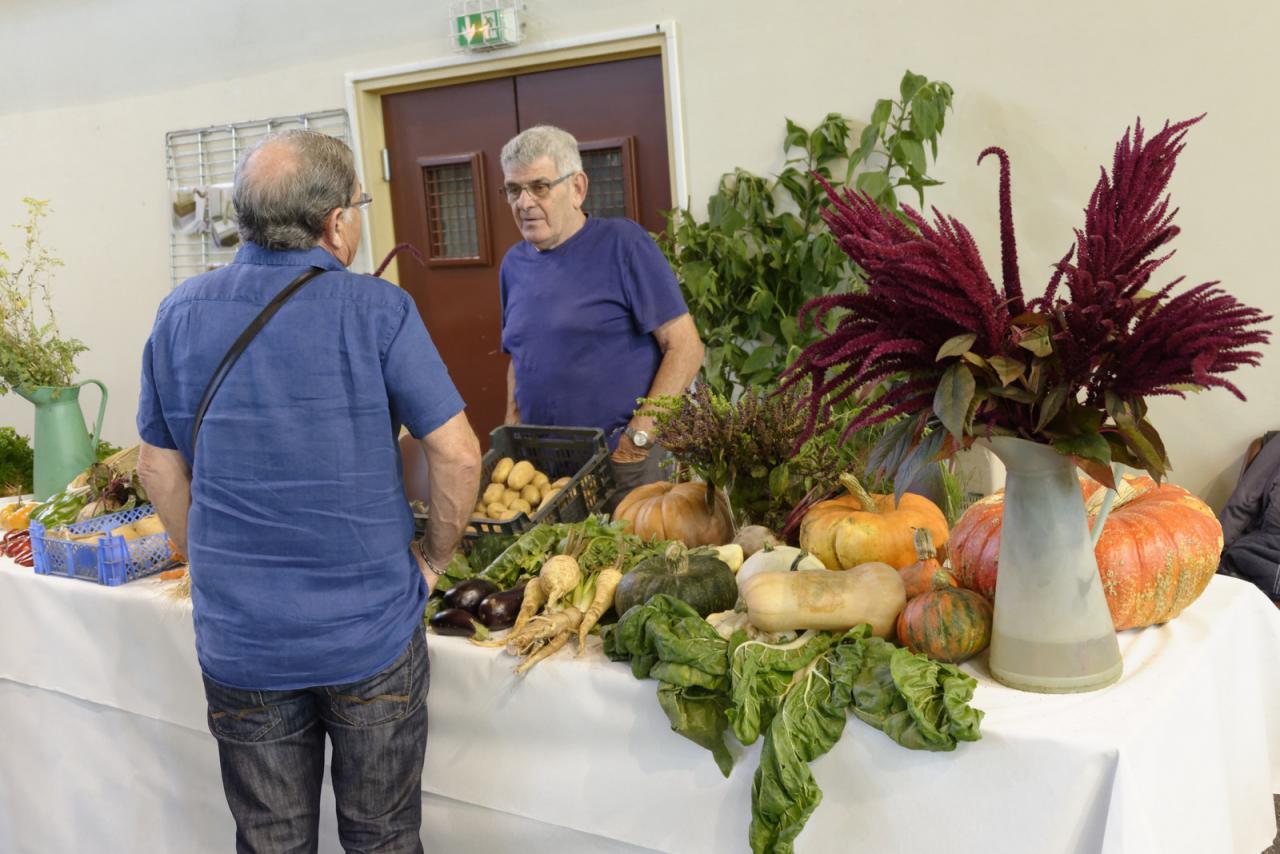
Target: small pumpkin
701	579
778	559
927	571
677	511
1158	550
946	624
753	538
858	527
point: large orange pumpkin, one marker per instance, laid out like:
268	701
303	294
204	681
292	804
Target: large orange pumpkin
677	511
1158	550
860	528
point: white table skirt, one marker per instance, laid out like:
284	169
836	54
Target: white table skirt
103	747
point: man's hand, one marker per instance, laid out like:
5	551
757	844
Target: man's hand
627	452
427	573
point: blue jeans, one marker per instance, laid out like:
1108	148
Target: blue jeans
271	749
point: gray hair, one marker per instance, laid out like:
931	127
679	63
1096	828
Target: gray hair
285	207
542	141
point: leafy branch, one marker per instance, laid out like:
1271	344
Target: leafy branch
32	352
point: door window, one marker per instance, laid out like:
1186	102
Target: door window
611	180
457	217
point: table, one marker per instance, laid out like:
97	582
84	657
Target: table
103	747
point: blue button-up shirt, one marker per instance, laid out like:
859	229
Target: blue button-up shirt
299	530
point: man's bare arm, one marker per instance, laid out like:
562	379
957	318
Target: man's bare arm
682	353
167	479
453	463
513	410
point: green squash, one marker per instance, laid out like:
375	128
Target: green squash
702	580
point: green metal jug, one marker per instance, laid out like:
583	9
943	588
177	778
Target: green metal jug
63	447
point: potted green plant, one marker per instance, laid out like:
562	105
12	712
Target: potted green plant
38	362
1049	383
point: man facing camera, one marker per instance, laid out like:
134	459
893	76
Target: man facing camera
591	313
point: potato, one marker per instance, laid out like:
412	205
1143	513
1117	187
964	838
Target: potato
493	492
561	483
548	498
508	514
509	495
502	469
495	510
531	494
520	476
148	525
540	480
479	508
521	505
127	531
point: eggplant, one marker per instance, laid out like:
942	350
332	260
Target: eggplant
453	621
498	610
468	594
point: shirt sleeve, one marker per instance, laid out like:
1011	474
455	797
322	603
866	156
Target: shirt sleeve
651	286
152	426
1245	504
422	395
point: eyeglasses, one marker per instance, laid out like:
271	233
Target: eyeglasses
363	202
537	189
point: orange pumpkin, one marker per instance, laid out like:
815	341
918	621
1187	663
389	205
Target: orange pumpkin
946	623
927	572
1158	550
677	511
860	528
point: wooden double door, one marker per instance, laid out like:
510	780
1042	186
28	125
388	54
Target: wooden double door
446	181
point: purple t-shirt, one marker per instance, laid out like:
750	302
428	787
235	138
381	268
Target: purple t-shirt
578	321
299	530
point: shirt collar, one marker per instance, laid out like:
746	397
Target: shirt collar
316	256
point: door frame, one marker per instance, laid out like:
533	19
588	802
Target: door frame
366	88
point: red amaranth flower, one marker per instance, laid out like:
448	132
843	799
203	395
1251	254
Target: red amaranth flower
1098	338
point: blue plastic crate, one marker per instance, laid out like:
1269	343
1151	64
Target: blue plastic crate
112	560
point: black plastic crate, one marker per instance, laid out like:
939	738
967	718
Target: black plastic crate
580	453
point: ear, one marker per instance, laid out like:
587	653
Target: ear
336	231
579	185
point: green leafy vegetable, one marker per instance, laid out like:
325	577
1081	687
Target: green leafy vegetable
600	541
797	695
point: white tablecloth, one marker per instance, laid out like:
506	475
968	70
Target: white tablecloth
103	747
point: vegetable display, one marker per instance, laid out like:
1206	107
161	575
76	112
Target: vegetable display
859	527
1158	550
796	695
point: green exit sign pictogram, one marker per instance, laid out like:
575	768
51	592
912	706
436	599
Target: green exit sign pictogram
480	29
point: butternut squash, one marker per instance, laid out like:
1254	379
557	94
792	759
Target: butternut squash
831	601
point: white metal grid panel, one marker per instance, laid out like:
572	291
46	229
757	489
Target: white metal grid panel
205	158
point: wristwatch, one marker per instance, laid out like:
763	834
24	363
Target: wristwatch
639	438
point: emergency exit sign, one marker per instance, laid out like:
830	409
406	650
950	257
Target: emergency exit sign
487	28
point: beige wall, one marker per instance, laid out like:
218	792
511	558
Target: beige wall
1055	84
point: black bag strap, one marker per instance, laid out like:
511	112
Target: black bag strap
242	342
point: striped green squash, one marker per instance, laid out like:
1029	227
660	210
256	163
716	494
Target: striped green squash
946	624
